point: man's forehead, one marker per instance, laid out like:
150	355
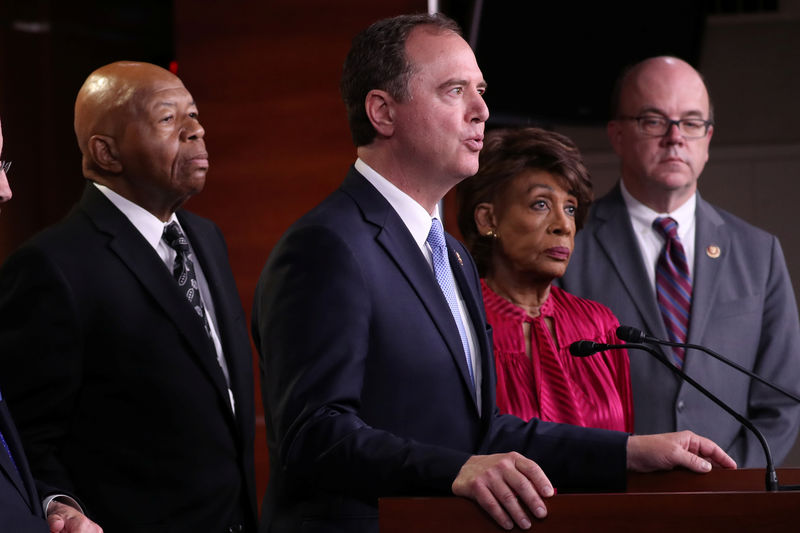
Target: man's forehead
652	90
442	49
431	41
151	96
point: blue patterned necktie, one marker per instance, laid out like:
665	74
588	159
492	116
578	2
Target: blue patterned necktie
444	276
673	285
183	271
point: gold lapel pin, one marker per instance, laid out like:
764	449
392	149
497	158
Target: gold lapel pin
460	262
713	251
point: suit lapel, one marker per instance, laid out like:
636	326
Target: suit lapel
710	231
393	236
615	236
127	243
468	294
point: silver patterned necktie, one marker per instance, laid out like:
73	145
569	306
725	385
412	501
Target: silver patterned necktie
183	271
444	276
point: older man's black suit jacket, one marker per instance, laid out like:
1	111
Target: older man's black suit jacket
113	383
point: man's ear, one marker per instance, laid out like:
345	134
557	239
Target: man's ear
379	106
104	153
484	218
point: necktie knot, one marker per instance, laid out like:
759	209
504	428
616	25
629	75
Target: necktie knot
183	270
175	238
436	235
667	227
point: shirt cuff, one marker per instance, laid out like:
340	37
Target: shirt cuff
62	498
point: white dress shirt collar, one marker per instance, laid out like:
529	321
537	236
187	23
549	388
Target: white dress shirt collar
641	214
149	225
650	241
413	215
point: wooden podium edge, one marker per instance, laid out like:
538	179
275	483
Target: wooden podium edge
725	501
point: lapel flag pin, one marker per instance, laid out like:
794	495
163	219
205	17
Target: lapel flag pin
460	262
713	251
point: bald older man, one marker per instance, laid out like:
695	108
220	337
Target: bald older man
668	262
125	354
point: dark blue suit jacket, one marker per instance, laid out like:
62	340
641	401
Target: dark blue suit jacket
20	506
364	383
115	389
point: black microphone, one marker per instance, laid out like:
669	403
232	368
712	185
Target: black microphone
631	334
587	348
583	349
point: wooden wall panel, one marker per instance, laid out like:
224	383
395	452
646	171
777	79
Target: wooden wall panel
265	76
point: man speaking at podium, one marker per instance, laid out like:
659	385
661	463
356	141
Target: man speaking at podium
377	370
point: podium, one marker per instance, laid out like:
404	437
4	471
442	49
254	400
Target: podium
674	502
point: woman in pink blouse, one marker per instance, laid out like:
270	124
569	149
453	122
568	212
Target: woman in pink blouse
519	216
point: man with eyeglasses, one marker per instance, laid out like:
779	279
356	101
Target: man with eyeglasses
22	508
668	262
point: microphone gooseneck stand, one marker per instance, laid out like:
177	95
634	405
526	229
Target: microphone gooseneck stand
587	348
634	335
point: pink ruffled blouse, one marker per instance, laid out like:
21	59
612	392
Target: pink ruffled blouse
552	384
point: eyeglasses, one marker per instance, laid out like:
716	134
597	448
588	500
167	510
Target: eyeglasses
5	166
658	126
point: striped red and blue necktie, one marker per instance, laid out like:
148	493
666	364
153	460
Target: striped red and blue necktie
673	285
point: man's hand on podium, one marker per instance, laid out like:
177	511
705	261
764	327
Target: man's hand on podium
665	451
505	484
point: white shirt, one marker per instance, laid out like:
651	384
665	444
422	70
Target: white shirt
418	221
651	242
152	229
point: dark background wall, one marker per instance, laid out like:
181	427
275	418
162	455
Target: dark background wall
265	76
47	48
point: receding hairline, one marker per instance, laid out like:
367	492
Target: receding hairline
643	66
434	30
633	72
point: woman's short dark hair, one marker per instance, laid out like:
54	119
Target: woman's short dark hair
506	154
377	60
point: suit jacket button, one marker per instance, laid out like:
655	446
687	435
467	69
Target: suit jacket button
681	406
